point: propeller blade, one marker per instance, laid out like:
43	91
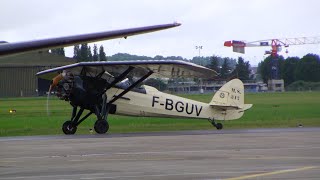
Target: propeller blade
55	81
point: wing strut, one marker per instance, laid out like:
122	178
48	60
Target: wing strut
130	87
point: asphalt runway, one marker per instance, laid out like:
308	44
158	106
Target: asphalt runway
227	154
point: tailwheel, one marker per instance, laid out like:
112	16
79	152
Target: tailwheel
69	128
219	126
101	126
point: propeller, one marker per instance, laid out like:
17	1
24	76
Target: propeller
53	84
55	81
64	84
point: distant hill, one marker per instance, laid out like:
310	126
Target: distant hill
130	57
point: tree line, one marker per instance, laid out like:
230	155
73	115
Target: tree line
292	69
84	52
229	68
226	67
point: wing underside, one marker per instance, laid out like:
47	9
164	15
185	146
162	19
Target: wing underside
45	44
164	68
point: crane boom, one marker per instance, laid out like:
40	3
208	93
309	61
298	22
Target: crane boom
276	44
300	40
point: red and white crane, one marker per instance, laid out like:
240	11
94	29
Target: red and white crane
276	44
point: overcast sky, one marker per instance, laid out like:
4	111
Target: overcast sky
204	22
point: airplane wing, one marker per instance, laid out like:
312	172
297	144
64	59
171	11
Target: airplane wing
160	68
44	44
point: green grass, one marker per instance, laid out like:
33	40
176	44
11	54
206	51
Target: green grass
270	110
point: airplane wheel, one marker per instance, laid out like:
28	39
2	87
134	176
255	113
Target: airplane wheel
101	126
68	128
219	126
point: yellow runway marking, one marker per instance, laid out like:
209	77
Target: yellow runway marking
271	173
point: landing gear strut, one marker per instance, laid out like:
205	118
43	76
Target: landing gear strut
219	126
102	126
88	92
70	126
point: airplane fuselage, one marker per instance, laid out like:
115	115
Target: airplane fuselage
154	103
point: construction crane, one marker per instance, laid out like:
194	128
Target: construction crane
276	46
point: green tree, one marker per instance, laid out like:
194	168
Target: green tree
308	68
214	63
242	69
84	52
127	57
59	51
174	58
95	53
288	70
266	68
203	61
225	69
89	58
102	55
76	52
158	57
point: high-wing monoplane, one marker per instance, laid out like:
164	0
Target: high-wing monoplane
106	88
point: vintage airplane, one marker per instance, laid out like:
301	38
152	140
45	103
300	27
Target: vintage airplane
109	88
106	88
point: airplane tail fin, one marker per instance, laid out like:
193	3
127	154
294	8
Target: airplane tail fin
230	99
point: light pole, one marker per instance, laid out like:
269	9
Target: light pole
201	83
199	48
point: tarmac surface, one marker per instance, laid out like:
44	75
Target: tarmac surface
227	154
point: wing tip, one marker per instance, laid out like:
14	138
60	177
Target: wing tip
175	23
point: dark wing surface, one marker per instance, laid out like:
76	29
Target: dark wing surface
160	68
44	44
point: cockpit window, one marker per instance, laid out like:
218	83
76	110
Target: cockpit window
126	83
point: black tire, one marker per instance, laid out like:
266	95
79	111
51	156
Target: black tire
219	126
101	126
68	128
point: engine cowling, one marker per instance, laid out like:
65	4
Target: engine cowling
65	86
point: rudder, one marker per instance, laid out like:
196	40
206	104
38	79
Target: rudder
230	95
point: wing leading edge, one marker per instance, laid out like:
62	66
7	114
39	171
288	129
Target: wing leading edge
160	68
44	44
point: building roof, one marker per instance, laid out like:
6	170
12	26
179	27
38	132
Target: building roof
36	59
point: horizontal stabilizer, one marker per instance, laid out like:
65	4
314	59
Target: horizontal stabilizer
245	107
224	107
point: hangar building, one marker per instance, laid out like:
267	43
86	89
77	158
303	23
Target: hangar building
18	73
